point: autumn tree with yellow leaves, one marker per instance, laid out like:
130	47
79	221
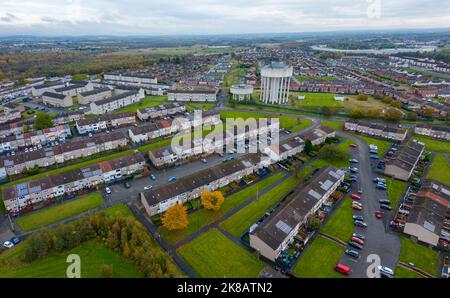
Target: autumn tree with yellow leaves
175	218
212	200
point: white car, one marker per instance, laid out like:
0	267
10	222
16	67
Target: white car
386	271
8	244
148	187
108	190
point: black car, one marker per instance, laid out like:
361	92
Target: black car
127	185
385	202
355	245
352	253
385	207
360	224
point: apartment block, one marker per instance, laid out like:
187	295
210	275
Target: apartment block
104	122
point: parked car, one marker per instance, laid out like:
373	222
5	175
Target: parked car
353	170
127	185
357	203
360	224
386	202
15	240
148	187
352	253
378	180
355	244
374	156
353	160
172	179
8	244
357	207
153	176
358	217
386	271
108	190
342	269
353	145
381	186
378	214
357	240
360	191
385	207
204	160
355	197
358	235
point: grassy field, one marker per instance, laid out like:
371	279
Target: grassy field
57	213
423	257
383	146
285	121
333	124
371	103
340	225
305	123
343	146
440	169
199	106
118	208
316	100
203	217
93	255
434	145
395	189
214	255
401	272
239	222
318	260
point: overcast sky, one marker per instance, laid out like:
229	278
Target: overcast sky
161	17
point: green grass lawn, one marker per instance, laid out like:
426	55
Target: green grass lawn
202	106
440	169
305	123
423	257
336	125
395	189
285	121
118	208
214	255
318	260
57	213
239	222
340	224
338	163
401	272
148	101
203	217
434	145
383	146
93	255
317	100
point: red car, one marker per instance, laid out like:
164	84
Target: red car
342	269
355	197
353	145
378	214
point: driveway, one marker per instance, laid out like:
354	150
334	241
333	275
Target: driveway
5	229
379	240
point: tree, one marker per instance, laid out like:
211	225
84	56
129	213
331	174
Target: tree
42	121
356	113
106	271
331	152
327	111
392	114
387	99
378	96
373	113
396	104
362	97
175	218
308	146
313	222
212	200
412	116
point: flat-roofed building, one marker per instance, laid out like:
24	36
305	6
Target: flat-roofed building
270	237
285	149
318	135
57	100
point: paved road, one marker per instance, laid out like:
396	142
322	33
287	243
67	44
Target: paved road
379	240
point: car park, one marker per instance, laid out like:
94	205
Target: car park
358	235
385	207
360	224
352	253
355	244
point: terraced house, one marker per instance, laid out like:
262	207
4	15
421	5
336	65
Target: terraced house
34	138
433	131
104	122
152	131
57	99
319	135
273	235
385	131
75	89
31	194
192	95
160	111
116	102
285	149
45	157
158	200
93	95
402	164
8	115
